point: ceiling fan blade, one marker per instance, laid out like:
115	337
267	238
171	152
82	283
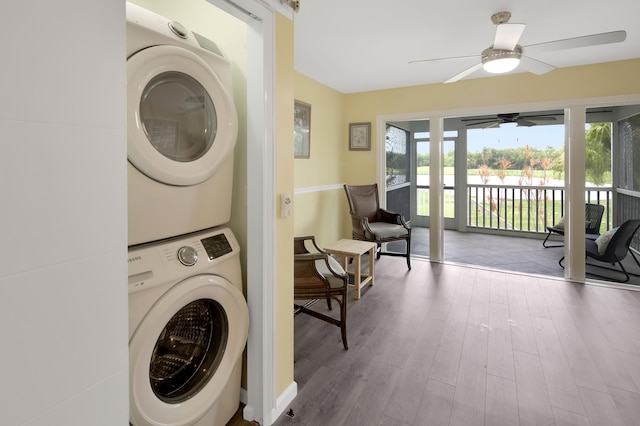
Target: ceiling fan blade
453	58
575	42
535	66
483	122
464	73
540	118
507	36
524	123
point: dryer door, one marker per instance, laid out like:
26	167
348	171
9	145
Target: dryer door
182	122
183	352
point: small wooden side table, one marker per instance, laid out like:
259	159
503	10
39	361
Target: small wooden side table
354	249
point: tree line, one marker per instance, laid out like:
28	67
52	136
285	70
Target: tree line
497	161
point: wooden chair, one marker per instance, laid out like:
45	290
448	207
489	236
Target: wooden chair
372	223
592	219
317	275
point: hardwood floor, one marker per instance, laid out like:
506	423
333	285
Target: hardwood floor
449	345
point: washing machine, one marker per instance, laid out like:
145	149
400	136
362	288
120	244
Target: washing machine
181	129
188	325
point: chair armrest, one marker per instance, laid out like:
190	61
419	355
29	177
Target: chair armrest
306	273
300	246
391	217
361	226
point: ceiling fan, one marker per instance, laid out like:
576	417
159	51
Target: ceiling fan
514	117
506	54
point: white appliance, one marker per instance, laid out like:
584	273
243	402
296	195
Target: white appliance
188	325
181	129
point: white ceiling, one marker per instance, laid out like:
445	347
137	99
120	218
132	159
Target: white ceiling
362	45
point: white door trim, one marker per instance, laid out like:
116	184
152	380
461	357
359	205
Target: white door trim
261	404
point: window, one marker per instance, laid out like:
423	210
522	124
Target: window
629	139
397	152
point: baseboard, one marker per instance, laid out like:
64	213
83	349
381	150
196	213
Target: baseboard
284	400
243	396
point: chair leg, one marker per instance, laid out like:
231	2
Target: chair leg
626	274
560	262
409	252
622	269
343	320
634	257
544	243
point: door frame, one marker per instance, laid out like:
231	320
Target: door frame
574	110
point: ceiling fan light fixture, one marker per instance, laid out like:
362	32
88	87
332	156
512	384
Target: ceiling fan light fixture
498	61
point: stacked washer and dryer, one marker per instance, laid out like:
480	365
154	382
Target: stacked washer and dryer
188	318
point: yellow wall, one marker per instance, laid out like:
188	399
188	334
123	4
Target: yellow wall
319	196
284	184
323	166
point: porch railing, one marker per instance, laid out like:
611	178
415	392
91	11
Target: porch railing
526	208
520	208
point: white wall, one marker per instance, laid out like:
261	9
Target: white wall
63	272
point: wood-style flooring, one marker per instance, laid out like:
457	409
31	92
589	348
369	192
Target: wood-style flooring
450	345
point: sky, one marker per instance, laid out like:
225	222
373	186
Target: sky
511	136
507	136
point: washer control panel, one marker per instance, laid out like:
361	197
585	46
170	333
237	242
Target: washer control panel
216	246
156	263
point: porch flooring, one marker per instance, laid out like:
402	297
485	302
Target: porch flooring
507	253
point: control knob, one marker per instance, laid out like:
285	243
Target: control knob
188	256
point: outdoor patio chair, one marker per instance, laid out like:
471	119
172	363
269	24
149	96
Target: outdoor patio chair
612	247
372	223
317	275
592	220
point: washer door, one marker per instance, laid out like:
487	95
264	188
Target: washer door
182	123
183	352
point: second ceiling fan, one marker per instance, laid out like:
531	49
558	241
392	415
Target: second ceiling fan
506	54
513	117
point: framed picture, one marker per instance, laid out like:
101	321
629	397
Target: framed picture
301	129
360	136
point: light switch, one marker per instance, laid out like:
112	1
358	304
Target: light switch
285	205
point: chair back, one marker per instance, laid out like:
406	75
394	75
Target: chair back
593	218
621	239
363	200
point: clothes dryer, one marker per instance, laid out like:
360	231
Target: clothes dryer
188	325
181	129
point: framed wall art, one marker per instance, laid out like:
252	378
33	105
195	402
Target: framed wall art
301	129
360	136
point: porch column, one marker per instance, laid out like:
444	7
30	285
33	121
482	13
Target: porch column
574	175
436	191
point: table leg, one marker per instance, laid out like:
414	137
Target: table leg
371	264
356	275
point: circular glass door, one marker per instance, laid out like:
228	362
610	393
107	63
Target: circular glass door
181	121
188	351
178	116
